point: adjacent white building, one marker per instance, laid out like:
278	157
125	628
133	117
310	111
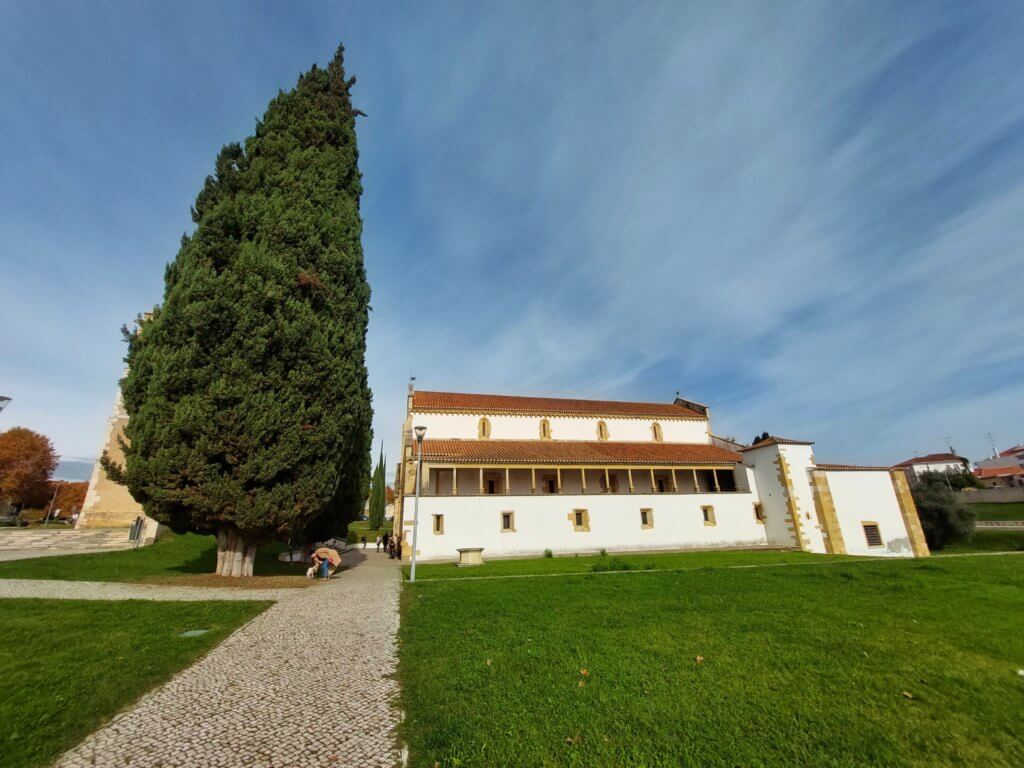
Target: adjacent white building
520	475
934	462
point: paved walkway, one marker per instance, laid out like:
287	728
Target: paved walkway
310	682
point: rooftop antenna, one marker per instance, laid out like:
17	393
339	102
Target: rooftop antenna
993	444
412	383
949	445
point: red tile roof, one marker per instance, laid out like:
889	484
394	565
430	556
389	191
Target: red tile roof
1016	450
574	452
984	472
776	441
461	402
850	468
931	458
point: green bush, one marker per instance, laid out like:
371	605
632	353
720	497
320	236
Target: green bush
611	564
944	519
548	553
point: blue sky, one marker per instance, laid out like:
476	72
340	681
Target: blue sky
808	215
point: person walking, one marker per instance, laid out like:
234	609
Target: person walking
363	540
378	542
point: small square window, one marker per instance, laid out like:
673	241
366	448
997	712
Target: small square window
758	512
580	519
709	515
646	518
438	524
873	534
508	522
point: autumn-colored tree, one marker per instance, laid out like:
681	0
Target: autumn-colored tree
69	498
27	460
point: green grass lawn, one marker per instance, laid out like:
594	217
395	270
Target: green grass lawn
362	528
903	662
186	558
591	563
988	541
69	665
1008	511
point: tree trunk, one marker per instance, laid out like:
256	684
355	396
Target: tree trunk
235	554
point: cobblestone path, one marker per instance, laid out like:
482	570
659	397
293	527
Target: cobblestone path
307	683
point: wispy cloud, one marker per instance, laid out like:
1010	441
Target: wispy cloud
802	214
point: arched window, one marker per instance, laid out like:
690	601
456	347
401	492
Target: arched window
656	432
483	428
602	431
545	429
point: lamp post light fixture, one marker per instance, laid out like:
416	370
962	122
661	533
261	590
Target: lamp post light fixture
420	432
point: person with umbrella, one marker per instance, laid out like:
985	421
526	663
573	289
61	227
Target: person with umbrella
328	559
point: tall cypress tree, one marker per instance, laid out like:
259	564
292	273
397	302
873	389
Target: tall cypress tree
378	494
247	395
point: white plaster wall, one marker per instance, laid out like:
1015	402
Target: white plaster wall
869	497
801	460
507	427
764	479
542	522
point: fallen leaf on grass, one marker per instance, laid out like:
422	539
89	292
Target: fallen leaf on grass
581	683
699	659
572	739
584	672
908	695
489	662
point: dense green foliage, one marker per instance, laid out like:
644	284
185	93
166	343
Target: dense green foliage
852	663
955	480
171	558
247	389
378	494
69	665
944	518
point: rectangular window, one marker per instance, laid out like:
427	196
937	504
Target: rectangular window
758	512
492	487
508	522
873	534
662	485
646	518
580	519
709	515
550	484
438	524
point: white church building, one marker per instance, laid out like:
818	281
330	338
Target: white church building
516	476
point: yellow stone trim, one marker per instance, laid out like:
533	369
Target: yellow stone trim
512	520
437	529
650	518
908	510
602	431
585	527
708	512
758	518
483	428
791	505
825	508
